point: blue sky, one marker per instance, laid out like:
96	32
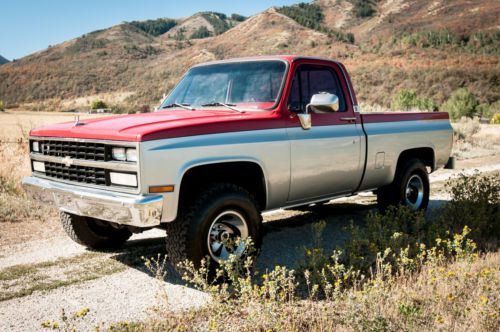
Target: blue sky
27	26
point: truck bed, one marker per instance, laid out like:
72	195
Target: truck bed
390	133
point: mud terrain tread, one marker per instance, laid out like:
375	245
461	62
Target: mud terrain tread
177	231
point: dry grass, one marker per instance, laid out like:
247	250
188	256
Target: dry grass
23	280
463	296
15	126
473	139
14	163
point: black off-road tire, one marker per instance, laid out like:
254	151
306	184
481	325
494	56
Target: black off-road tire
395	193
93	234
187	236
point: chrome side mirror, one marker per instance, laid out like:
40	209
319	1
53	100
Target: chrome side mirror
324	102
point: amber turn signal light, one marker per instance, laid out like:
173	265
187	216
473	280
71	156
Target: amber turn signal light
161	189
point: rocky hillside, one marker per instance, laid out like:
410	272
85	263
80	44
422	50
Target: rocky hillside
433	47
3	60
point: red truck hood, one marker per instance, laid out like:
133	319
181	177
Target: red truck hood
164	124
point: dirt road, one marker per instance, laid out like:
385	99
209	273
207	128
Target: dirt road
40	277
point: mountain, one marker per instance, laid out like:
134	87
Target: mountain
3	60
431	46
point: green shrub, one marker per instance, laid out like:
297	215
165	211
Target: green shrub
87	43
238	17
311	16
475	202
488	111
495	119
404	100
479	42
155	27
484	111
408	99
98	104
1	106
363	8
119	109
138	52
461	103
218	21
201	32
400	230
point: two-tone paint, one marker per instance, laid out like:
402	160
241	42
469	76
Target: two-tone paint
342	154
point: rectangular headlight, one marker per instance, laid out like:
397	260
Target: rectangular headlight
123	179
131	155
119	154
39	166
124	154
35	146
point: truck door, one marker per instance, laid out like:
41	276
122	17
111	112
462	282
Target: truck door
327	159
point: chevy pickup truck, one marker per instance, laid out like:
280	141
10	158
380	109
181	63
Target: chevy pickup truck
233	139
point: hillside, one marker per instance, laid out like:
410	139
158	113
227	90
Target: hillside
3	60
430	46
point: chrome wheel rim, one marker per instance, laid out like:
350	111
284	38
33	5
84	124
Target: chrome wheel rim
225	236
414	192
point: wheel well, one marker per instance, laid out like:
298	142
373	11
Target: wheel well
248	175
426	155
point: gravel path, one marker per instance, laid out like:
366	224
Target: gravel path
133	294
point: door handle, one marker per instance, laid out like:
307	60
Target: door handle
347	118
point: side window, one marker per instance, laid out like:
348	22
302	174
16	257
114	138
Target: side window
310	80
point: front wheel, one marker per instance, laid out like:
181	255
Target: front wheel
410	187
213	226
93	233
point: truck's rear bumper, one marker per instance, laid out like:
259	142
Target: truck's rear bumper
125	209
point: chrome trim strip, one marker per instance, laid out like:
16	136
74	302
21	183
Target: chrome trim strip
85	140
112	165
125	209
112	188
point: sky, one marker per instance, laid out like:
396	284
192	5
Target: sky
27	26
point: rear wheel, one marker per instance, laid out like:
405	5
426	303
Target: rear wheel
213	225
410	187
93	233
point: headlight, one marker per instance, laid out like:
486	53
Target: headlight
131	155
119	154
123	179
35	146
124	154
39	166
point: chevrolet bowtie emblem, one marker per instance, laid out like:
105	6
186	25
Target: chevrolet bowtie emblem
67	161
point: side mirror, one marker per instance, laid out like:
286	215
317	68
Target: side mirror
323	102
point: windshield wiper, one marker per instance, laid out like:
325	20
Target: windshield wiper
218	103
185	106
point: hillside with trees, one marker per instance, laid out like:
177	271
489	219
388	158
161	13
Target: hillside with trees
427	48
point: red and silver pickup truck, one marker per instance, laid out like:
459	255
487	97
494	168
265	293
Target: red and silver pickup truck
233	139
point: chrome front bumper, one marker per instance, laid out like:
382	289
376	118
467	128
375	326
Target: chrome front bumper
125	209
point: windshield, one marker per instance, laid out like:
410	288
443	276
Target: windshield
255	84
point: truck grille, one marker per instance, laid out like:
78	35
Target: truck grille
76	150
83	174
